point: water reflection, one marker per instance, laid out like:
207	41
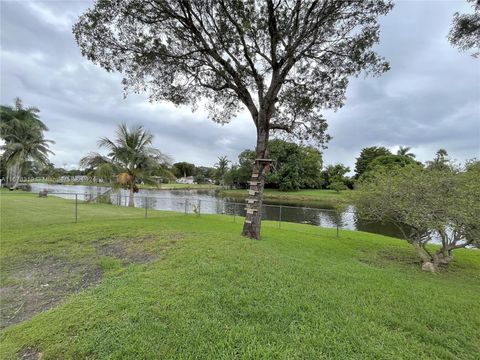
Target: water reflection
208	202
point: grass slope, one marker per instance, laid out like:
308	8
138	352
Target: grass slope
177	286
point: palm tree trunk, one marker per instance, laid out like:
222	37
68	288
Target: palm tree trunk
131	195
13	175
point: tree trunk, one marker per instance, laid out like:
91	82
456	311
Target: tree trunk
253	217
427	261
442	257
131	195
13	176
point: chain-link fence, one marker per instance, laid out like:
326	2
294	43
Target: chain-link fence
80	207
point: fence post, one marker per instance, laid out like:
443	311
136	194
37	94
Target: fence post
234	212
337	223
280	217
186	204
146	206
76	208
199	207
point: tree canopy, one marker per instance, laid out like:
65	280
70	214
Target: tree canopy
367	155
405	151
132	156
284	61
25	145
425	203
334	177
465	31
294	57
183	168
390	163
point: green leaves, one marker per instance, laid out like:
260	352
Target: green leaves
130	152
426	202
22	130
286	60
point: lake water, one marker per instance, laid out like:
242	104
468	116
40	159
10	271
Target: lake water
209	202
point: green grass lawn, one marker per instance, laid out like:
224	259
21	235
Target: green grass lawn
118	286
302	196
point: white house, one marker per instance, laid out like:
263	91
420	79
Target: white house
185	180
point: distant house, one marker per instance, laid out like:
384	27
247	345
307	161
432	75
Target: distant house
158	179
185	180
76	178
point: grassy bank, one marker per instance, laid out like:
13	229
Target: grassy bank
301	196
118	286
170	186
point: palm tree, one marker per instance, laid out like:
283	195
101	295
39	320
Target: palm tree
12	115
222	168
131	155
404	151
440	162
25	144
22	131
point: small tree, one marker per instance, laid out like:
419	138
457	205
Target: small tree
221	169
337	186
131	154
422	203
240	174
334	177
284	61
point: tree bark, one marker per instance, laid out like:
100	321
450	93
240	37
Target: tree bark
131	195
13	176
426	258
253	217
442	257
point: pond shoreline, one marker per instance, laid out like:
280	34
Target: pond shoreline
303	197
319	210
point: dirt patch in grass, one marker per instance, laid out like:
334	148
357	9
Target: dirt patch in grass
38	285
30	353
387	257
136	250
125	254
33	285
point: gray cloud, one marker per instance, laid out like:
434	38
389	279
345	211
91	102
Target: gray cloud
429	99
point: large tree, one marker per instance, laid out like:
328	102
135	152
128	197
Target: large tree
282	60
183	169
295	166
367	155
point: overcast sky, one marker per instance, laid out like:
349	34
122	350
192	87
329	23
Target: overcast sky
430	98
